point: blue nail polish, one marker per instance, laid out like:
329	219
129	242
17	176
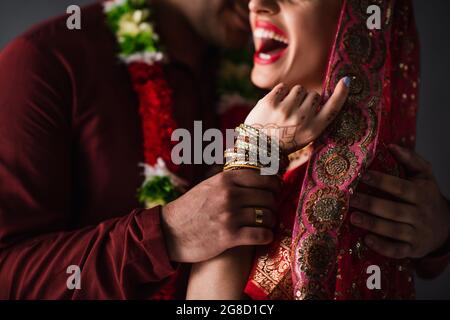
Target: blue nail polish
347	81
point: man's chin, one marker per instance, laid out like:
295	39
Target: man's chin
236	42
230	40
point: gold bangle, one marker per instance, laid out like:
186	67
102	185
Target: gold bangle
247	146
241	142
246	152
247	133
240	166
243	161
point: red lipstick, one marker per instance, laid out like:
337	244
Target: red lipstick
272	40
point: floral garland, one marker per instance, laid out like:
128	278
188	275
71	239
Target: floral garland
142	52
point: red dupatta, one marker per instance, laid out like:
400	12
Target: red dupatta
318	254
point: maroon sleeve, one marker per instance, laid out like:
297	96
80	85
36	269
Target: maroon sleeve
116	259
37	243
434	264
432	267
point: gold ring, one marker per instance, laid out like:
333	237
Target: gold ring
259	215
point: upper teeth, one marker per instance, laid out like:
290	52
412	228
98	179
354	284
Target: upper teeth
266	34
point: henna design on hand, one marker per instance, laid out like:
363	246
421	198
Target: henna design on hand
285	135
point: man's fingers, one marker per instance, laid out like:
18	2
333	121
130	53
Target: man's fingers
248	178
251	236
400	188
248	217
395	211
334	104
412	161
255	198
388	248
382	227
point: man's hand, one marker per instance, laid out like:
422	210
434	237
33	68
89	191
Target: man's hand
415	225
219	214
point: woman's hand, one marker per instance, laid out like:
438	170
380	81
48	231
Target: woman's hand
415	225
292	115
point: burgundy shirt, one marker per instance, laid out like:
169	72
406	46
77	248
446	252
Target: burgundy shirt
70	145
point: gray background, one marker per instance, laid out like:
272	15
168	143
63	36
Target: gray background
433	125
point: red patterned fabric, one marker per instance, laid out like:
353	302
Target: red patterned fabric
328	258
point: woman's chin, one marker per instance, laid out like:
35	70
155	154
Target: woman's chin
264	81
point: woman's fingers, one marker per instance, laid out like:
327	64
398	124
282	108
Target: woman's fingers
277	95
298	109
293	100
333	106
308	109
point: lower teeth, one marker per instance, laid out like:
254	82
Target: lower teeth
264	56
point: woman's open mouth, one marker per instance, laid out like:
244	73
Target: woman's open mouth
270	41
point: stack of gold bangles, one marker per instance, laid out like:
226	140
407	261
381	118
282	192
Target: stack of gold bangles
250	145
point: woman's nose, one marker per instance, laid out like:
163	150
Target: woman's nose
267	7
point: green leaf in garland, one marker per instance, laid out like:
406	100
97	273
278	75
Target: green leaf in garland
113	16
158	191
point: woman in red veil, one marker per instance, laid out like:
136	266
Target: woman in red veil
317	252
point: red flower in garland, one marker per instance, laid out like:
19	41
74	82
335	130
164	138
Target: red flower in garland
142	72
155	107
145	66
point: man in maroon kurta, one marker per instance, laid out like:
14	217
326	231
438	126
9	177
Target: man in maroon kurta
70	145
